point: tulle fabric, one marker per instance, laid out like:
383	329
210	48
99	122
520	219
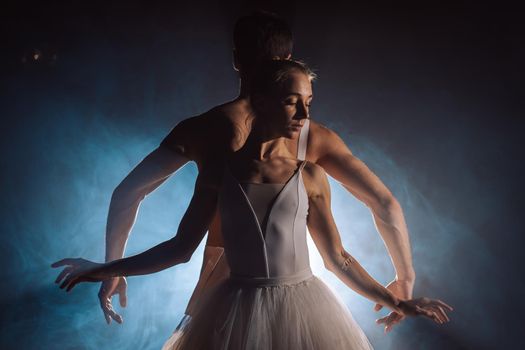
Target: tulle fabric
305	315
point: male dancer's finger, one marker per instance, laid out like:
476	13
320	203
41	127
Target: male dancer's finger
441	314
122	296
113	314
107	317
103	301
435	317
442	311
424	312
445	305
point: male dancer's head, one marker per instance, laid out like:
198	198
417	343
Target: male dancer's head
258	37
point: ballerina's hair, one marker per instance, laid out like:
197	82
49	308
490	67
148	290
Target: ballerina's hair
273	73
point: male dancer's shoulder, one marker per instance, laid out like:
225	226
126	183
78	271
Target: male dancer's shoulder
195	137
315	179
321	141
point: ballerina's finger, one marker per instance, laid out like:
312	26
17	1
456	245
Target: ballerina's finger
383	320
67	282
63	274
66	261
393	321
390	320
398	318
386	321
73	283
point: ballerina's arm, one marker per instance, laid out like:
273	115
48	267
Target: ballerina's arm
336	259
179	249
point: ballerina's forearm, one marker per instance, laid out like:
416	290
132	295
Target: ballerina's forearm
192	228
158	258
350	272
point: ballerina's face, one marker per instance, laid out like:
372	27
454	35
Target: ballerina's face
285	109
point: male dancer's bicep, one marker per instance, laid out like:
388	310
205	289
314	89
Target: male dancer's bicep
339	162
201	138
150	173
179	139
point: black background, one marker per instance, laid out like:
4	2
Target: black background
437	88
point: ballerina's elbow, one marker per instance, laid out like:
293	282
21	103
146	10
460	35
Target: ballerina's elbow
338	262
182	258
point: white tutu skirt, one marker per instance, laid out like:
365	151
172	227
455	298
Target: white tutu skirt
304	315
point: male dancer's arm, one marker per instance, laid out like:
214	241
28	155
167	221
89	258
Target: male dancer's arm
177	250
336	259
148	175
339	162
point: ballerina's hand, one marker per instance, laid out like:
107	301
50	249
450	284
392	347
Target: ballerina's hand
78	270
431	308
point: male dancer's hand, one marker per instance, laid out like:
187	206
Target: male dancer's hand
110	287
401	289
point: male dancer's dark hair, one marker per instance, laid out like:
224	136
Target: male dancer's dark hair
260	36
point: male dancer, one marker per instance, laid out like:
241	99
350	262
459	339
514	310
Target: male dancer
206	139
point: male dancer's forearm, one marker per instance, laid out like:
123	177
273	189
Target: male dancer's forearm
148	175
391	225
357	179
121	218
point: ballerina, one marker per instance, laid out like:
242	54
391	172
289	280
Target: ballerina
266	199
